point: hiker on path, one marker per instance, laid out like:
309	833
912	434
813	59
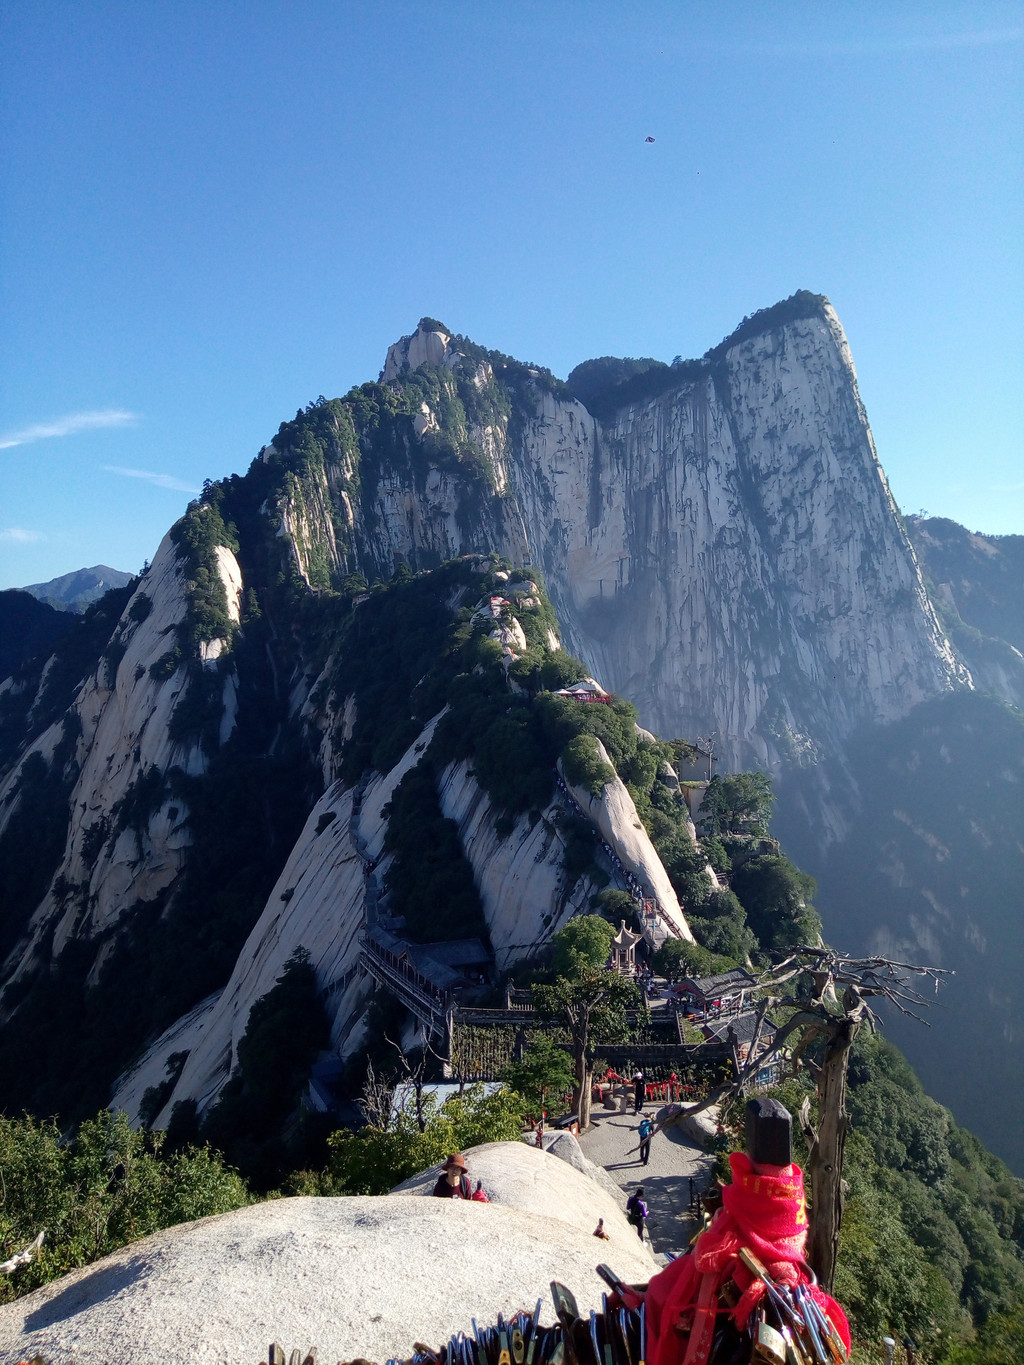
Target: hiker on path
639	1087
636	1211
646	1132
600	1232
453	1182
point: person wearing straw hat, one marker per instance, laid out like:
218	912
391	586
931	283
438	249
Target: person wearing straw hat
453	1182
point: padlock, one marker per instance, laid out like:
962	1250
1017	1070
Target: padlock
769	1346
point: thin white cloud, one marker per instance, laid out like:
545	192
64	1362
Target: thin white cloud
14	535
69	426
1006	488
161	480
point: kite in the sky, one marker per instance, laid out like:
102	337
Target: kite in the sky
648	139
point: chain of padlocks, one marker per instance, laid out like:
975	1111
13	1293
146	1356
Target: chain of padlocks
787	1328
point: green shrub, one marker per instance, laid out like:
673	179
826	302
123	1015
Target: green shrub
140	608
197	712
374	1160
430	879
167	665
543	1076
722	927
106	1185
582	946
560	669
776	897
738	803
584	767
510	762
676	959
580	840
615	905
613	724
285	1030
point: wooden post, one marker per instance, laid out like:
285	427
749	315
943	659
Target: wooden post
769	1133
827	1142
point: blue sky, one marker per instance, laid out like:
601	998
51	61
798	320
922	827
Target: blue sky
214	212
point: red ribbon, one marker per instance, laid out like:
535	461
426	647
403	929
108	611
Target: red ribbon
761	1210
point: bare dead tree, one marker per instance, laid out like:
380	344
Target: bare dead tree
414	1074
375	1100
828	993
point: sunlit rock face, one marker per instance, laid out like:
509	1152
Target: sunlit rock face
727	554
128	837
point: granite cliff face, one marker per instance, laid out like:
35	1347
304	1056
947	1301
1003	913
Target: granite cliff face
719	545
742	568
726	552
126	841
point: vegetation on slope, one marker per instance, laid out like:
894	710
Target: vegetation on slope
982	574
245	813
106	1185
373	1159
431	880
932	1242
934	842
27	628
608	384
25	710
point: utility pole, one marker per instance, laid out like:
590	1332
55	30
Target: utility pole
709	748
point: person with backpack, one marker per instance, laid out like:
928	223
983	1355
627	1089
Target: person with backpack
646	1132
636	1211
453	1182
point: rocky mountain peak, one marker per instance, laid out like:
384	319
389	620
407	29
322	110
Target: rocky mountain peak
430	344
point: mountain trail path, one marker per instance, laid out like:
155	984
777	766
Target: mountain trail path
675	1161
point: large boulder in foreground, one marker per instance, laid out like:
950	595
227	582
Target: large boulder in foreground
522	1177
355	1277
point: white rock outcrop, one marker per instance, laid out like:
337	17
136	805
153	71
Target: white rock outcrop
557	1183
424	347
519	875
614	814
114	859
354	1277
318	904
728	554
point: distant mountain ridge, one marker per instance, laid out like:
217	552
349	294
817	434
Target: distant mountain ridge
976	583
79	589
27	627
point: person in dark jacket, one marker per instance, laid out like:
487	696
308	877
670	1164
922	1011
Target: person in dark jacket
636	1211
453	1182
639	1090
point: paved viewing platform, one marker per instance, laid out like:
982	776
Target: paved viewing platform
675	1160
